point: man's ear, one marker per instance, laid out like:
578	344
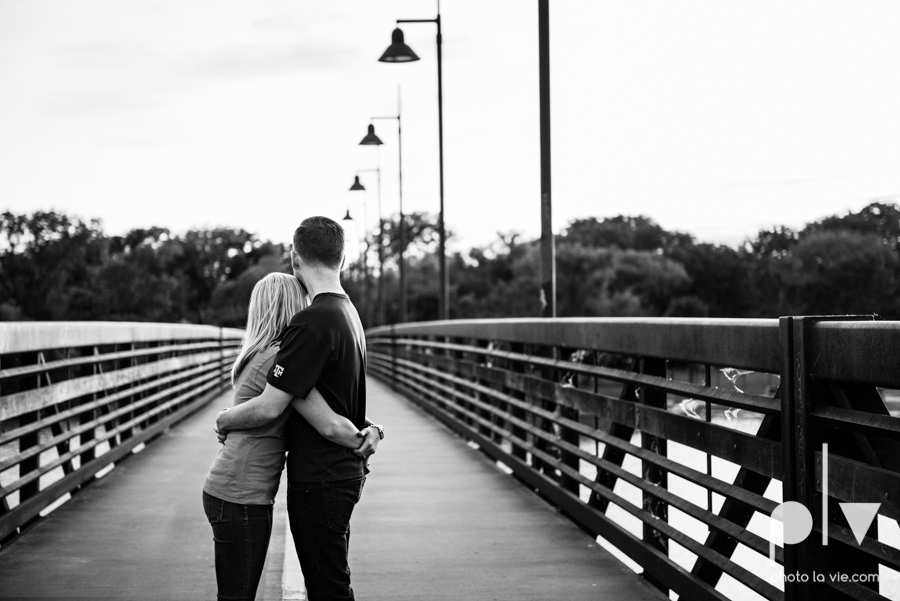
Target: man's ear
295	260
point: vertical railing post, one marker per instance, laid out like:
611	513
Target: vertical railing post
795	483
549	374
569	435
806	562
4	502
518	452
222	371
798	448
652	473
25	443
392	341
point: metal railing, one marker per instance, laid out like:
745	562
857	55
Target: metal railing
638	431
76	397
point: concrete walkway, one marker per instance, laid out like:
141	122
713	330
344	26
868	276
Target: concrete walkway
137	533
437	521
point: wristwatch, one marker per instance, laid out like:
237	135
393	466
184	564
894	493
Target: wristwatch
380	430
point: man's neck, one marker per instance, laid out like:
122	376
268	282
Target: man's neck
324	284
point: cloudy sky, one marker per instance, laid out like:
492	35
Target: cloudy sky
716	118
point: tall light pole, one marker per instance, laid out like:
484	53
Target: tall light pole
548	247
372	139
357	186
399	52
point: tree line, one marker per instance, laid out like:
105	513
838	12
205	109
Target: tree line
58	267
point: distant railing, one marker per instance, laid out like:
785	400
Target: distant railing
655	435
76	397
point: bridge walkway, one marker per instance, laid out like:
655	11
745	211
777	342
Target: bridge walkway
437	521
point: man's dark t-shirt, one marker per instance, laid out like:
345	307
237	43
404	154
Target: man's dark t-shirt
323	348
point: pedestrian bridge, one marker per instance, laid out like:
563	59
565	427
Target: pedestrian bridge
524	459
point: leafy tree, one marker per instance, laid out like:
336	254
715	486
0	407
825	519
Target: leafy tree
878	218
721	285
775	243
231	298
842	271
639	233
46	262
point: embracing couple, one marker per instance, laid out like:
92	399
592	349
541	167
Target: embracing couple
300	387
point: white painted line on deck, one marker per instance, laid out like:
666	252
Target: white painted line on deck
49	509
105	471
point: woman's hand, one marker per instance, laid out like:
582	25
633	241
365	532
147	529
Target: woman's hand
220	432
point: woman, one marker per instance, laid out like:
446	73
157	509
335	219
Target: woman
240	489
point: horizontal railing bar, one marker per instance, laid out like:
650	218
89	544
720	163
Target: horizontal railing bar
725	564
48	420
101	420
744	536
31	336
854	590
863	352
886	554
38	368
729	567
615	409
741	343
34	474
720	396
859	421
760	455
855	482
19	403
29	508
752	500
705	516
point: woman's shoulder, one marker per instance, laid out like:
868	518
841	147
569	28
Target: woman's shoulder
261	359
265	355
257	368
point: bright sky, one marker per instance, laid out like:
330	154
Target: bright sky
716	118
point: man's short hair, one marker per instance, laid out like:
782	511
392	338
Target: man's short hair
320	240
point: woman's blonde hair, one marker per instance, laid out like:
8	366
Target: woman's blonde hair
274	301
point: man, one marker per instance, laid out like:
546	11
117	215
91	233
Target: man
322	348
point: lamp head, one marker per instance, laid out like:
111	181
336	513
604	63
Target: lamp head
398	51
347	217
356	186
371	139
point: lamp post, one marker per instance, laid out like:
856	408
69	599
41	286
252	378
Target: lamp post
365	268
399	52
548	247
358	186
372	140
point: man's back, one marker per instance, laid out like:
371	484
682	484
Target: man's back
323	348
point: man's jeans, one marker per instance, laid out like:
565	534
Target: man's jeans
241	536
320	524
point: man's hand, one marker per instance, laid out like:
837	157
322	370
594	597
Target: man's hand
370	442
221	433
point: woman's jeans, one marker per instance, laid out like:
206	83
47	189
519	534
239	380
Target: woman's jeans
320	524
241	535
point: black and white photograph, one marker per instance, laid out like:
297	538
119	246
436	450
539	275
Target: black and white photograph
569	300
